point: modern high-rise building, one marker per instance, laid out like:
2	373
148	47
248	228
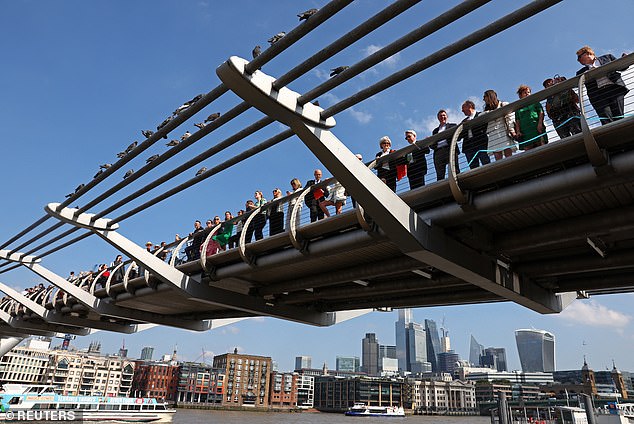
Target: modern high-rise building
411	344
434	346
404	318
370	354
536	349
348	363
417	349
303	362
494	357
475	351
448	361
387	351
147	353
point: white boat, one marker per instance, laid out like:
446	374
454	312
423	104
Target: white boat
20	402
363	410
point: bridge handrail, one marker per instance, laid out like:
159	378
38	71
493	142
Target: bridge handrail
617	65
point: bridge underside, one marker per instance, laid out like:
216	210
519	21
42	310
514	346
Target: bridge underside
561	222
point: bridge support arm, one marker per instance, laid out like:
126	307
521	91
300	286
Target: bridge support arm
188	286
415	237
8	343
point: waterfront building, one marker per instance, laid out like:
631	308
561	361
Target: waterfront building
475	351
448	361
462	371
155	379
25	364
487	391
599	384
88	374
337	394
302	362
283	390
513	377
305	391
433	343
199	383
147	353
629	384
247	379
370	354
443	395
536	350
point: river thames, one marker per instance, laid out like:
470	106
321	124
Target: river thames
191	416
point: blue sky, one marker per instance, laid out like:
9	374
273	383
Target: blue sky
80	80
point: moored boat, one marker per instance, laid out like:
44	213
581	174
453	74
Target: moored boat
41	403
363	410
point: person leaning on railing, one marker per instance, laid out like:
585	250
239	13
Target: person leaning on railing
276	214
500	131
441	148
606	93
563	109
529	122
386	170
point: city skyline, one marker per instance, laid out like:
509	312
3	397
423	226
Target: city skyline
510	355
97	86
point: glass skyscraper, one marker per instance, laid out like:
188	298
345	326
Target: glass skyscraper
536	349
411	344
303	362
475	351
433	343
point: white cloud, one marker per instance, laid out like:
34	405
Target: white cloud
322	75
595	315
232	329
390	62
361	117
330	99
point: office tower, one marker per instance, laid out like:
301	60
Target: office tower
387	359
448	361
434	346
404	318
411	344
387	351
370	354
494	357
147	353
417	348
303	362
348	363
536	349
475	351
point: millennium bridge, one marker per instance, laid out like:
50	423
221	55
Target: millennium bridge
541	228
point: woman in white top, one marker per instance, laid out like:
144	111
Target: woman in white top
501	131
336	198
296	185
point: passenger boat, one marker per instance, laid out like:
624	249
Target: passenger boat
20	402
363	410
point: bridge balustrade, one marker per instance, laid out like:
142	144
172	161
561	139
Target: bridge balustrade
298	230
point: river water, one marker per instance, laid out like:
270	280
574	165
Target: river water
191	416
